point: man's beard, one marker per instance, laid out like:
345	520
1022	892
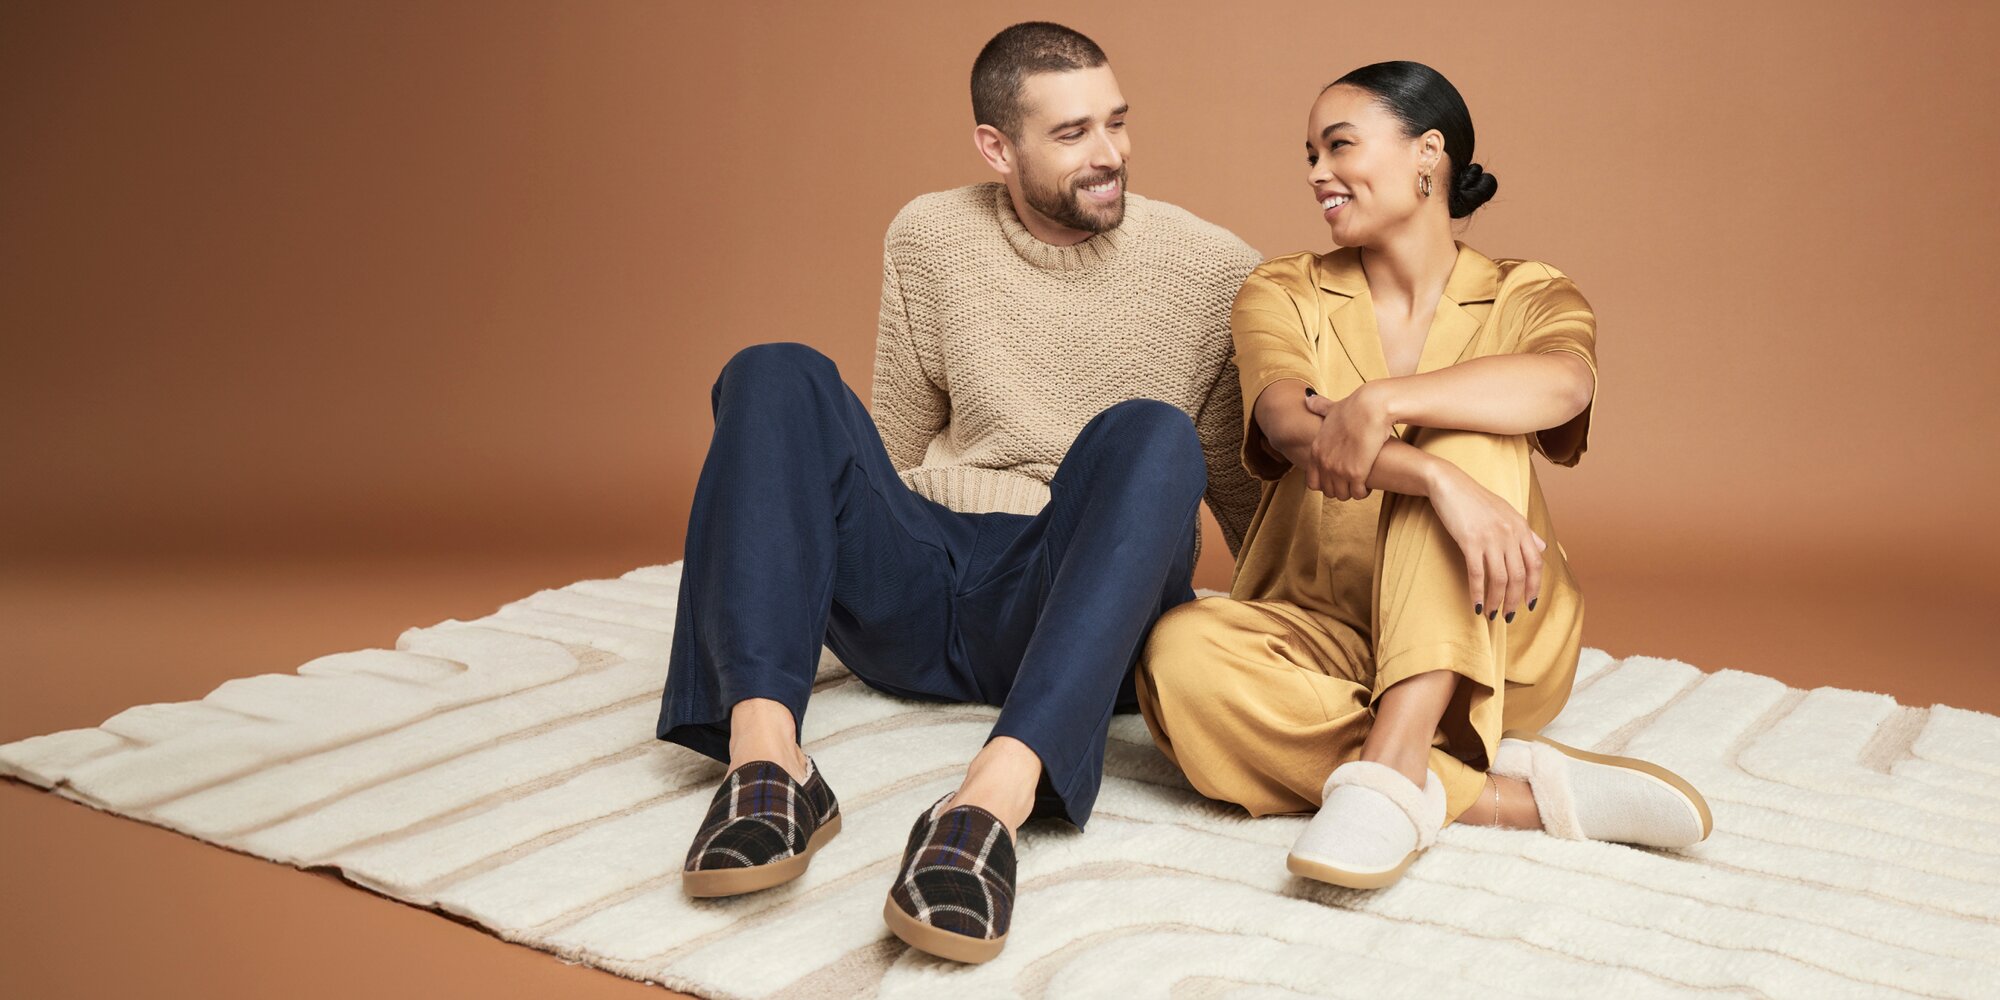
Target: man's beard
1066	205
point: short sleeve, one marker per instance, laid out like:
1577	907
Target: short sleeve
1270	342
1553	315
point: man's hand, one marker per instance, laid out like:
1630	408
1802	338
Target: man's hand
1351	434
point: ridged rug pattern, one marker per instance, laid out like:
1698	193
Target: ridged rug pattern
505	770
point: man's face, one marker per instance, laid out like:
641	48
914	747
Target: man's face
1072	149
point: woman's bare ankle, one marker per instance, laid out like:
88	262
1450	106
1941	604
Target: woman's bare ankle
1409	765
1504	802
1517	804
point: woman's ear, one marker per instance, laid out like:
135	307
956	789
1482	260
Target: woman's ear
1430	155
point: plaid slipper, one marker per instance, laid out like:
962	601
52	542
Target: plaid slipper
762	829
954	895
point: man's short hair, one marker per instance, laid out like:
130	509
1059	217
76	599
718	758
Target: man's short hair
1012	56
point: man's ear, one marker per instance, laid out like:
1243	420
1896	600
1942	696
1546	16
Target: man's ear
995	148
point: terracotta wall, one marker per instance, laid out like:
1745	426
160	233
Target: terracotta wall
277	277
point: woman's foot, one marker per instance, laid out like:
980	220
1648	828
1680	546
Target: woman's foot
1372	823
1591	796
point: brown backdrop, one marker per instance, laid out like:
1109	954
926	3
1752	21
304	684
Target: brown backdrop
461	274
449	281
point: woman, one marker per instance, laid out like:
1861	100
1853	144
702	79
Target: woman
1402	620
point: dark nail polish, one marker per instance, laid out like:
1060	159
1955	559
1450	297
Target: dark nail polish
1310	392
1531	603
1510	617
1480	608
1490	615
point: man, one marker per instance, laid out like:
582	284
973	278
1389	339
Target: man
1053	399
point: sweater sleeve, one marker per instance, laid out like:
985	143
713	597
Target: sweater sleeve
908	406
1232	493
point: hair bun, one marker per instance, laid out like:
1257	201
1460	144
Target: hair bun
1471	188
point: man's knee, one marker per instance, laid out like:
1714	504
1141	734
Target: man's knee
777	365
1156	438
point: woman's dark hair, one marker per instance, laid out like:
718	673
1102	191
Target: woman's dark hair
1422	99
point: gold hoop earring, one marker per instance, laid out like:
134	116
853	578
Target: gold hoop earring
1424	184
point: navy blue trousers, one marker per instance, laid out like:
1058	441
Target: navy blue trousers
802	534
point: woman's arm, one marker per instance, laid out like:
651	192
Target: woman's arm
1292	430
1503	556
1498	394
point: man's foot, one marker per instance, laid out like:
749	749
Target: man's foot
764	729
1593	796
1001	780
1372	823
762	829
954	895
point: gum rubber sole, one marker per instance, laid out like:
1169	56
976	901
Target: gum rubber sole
1322	872
734	881
943	944
1679	783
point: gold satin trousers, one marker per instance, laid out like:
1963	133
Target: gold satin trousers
1258	699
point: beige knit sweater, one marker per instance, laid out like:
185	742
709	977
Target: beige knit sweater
994	348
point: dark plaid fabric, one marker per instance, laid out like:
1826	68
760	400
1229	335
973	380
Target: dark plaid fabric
958	872
760	815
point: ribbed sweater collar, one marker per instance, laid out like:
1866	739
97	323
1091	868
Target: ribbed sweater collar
1089	254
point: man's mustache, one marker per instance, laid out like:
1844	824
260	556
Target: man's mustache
1119	176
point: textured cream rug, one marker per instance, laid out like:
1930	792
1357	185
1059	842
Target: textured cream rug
505	770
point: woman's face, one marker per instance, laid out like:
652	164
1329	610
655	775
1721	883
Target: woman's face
1363	172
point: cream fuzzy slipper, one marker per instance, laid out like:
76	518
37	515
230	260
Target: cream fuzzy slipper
1372	822
1594	796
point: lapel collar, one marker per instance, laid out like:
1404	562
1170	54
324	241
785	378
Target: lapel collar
1474	278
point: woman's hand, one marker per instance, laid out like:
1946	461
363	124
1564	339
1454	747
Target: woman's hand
1503	556
1351	433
